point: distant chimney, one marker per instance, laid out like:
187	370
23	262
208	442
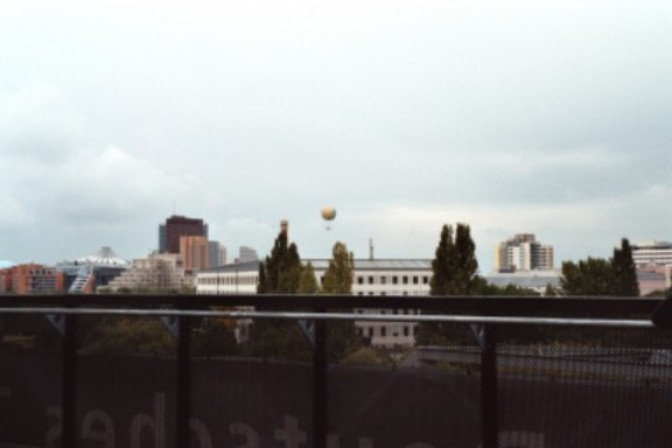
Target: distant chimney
284	226
370	248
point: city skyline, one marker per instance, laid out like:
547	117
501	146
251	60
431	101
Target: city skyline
525	117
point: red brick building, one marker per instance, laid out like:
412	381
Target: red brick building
31	278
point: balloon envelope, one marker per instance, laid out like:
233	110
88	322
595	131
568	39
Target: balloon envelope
328	213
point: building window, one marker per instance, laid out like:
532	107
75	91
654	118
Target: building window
383	331
415	279
404	279
360	280
383	280
425	279
370	332
395	279
370	280
406	331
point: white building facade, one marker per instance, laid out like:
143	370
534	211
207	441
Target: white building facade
523	253
371	278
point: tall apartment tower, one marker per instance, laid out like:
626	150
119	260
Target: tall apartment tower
523	253
177	227
217	254
195	252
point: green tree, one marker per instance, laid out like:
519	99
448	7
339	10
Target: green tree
599	277
342	338
454	266
339	275
591	277
453	273
280	273
625	282
466	264
308	282
443	268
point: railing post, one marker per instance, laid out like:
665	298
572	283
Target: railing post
320	385
183	387
69	382
489	403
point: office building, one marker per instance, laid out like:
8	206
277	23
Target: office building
371	278
247	254
31	278
177	227
656	253
156	272
217	254
523	253
195	252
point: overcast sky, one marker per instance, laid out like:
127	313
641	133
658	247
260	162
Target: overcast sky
521	116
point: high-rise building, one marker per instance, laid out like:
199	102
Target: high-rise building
194	251
247	254
217	254
523	253
177	227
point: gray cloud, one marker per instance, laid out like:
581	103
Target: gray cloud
517	117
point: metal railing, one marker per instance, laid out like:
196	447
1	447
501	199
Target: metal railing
488	318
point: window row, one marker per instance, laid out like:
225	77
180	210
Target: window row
392	279
228	280
384	331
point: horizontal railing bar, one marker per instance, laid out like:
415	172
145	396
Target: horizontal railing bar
467	319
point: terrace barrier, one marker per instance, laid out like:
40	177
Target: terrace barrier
332	371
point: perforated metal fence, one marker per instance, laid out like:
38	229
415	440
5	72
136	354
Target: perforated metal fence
133	371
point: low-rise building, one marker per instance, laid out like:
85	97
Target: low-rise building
31	278
160	271
537	281
371	278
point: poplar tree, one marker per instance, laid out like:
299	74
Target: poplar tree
308	283
342	337
339	275
281	271
453	273
625	273
454	266
466	264
443	268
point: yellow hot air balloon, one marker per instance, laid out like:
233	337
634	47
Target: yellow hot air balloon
328	213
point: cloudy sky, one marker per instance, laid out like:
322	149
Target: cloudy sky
517	116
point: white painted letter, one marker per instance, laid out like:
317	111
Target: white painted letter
204	439
520	439
105	435
157	424
53	434
251	436
291	434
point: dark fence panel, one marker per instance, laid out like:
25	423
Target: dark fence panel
132	381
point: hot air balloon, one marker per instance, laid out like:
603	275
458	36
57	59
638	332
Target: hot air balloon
328	214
